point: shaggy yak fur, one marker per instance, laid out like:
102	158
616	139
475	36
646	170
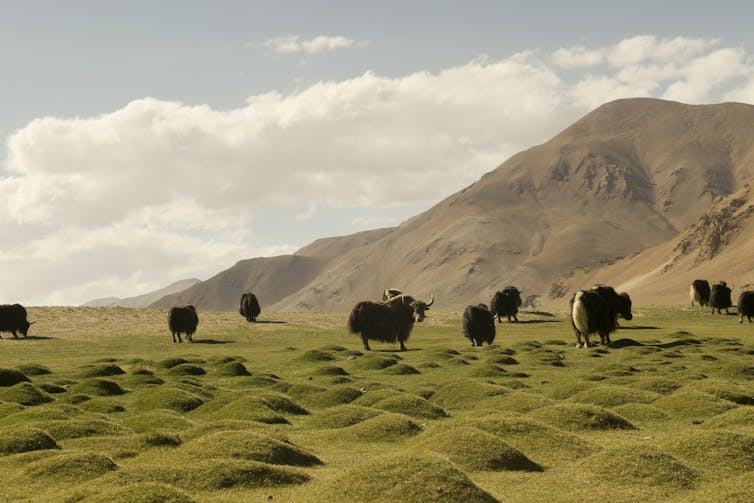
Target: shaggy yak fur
596	311
719	298
13	319
699	292
478	325
390	293
183	319
384	322
249	307
746	305
420	307
506	303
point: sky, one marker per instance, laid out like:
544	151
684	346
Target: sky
146	142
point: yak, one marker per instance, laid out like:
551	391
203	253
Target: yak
506	303
699	292
596	311
381	321
419	307
183	319
478	325
249	307
719	297
13	319
746	305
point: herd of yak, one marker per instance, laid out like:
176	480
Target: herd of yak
593	311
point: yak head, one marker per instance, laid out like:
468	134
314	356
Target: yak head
624	306
24	328
421	307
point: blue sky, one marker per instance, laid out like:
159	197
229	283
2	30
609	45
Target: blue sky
146	142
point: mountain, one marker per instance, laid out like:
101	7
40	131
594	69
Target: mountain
719	246
628	176
145	299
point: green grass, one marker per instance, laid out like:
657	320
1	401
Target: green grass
105	407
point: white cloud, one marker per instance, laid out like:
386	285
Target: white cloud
294	44
156	191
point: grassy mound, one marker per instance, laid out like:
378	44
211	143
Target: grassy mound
103	370
404	476
411	405
342	416
168	398
330	370
373	361
24	439
640	412
738	417
501	359
48	413
161	439
102	406
70	467
734	490
719	451
11	377
141	492
333	347
386	427
98	387
33	369
465	392
580	417
187	369
371	397
723	389
488	370
232	369
51	388
157	420
401	369
537	439
634	464
78	428
334	395
691	404
609	396
316	355
661	385
439	354
25	393
217	474
516	401
250	408
568	389
282	404
249	445
8	408
473	449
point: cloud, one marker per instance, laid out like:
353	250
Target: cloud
294	44
132	200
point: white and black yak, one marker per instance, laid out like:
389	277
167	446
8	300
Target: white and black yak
183	319
719	298
506	303
13	319
381	321
249	307
746	305
478	325
699	292
420	307
389	293
596	311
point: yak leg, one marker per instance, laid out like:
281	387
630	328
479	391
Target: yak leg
366	344
578	338
515	317
403	346
15	335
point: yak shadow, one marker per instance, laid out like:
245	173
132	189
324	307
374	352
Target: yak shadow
540	313
270	321
680	342
528	322
210	341
29	338
639	327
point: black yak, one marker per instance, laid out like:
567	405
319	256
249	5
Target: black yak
249	307
381	321
746	305
13	319
420	307
183	319
506	303
596	311
389	293
719	298
478	325
699	292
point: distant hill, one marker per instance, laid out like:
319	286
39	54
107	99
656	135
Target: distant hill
145	299
626	177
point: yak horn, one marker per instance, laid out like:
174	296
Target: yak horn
432	300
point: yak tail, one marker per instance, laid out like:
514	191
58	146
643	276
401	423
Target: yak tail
579	314
353	324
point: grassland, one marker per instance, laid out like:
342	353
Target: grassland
98	404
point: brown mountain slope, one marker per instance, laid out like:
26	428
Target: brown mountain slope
623	178
719	246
